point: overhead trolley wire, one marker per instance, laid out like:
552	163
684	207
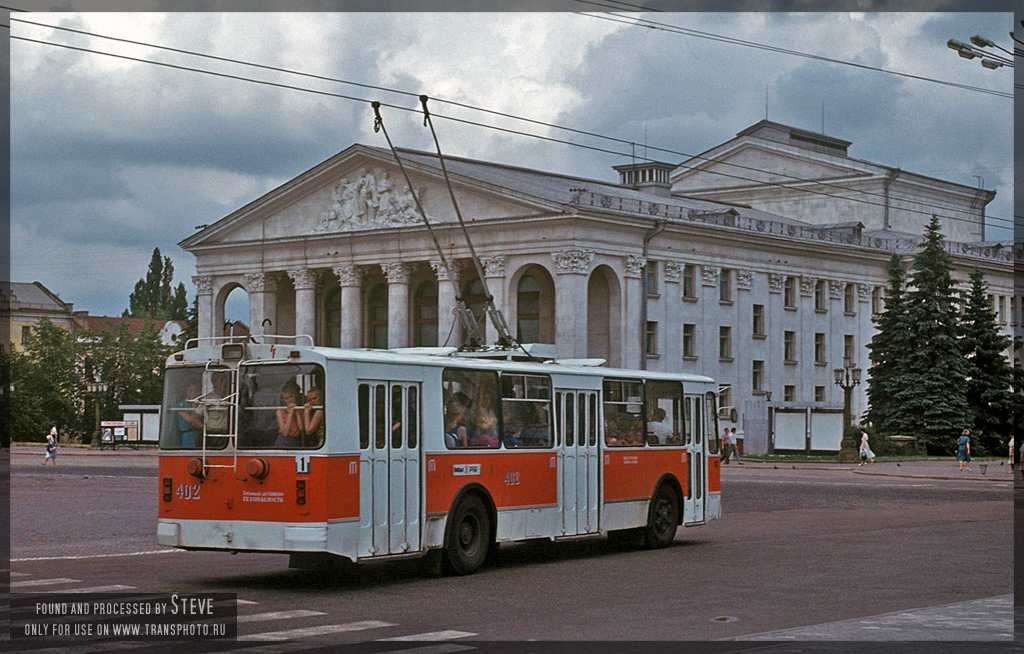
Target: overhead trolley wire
789	185
685	31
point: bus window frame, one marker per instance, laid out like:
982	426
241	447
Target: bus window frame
624	402
466	406
318	375
550	401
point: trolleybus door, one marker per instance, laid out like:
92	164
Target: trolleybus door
576	424
390	503
696	450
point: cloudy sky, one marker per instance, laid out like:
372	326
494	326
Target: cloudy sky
111	157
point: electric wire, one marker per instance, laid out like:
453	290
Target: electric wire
495	127
652	25
502	114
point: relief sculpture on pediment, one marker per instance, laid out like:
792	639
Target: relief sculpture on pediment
368	201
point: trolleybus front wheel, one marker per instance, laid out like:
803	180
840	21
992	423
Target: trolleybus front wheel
469	539
662	519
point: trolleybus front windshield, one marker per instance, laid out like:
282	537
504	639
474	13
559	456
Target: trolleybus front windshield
279	405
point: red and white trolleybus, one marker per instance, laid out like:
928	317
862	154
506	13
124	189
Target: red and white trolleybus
371	454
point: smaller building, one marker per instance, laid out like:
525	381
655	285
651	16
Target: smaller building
23	305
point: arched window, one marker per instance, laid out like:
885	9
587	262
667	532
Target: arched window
528	310
425	312
332	317
476	300
378	306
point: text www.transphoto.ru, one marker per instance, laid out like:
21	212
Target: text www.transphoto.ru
199	629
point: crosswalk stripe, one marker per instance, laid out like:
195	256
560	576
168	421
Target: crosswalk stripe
240	602
449	634
278	615
19	574
95	589
309	632
43	582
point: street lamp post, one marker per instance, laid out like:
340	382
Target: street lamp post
989	59
846	378
96	388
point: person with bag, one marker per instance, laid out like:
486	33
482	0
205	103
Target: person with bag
51	446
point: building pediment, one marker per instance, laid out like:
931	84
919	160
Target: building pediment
363	189
752	164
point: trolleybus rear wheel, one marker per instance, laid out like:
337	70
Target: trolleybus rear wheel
662	519
469	539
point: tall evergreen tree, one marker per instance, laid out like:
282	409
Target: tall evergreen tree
931	395
990	375
153	296
888	351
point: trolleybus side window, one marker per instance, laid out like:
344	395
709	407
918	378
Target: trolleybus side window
412	424
623	412
526	410
282	406
712	430
380	434
471	406
364	416
664	402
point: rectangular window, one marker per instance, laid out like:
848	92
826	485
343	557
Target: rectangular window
689	282
789	346
848	347
757	375
876	300
725	286
1013	310
725	396
623	412
820	298
664	418
470	408
849	299
272	402
758	319
689	340
789	293
652	277
789	393
1002	310
652	337
819	393
819	348
526	410
725	342
26	333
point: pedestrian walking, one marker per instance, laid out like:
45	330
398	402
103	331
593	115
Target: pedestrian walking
726	446
1013	455
735	446
51	446
866	455
963	449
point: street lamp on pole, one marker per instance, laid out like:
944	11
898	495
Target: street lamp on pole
96	388
989	59
846	378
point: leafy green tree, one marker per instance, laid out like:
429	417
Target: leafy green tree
47	381
989	373
153	296
931	394
131	366
888	351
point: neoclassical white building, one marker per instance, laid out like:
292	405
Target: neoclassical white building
764	286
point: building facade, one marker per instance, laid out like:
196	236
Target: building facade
660	271
23	305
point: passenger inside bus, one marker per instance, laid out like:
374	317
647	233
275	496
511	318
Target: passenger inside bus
215	418
313	416
526	424
190	425
658	431
485	428
454	431
290	418
624	429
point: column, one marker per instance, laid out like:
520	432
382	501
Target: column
305	301
572	271
447	320
494	273
351	280
633	296
204	297
397	274
262	290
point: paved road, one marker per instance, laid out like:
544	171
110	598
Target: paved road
741	581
